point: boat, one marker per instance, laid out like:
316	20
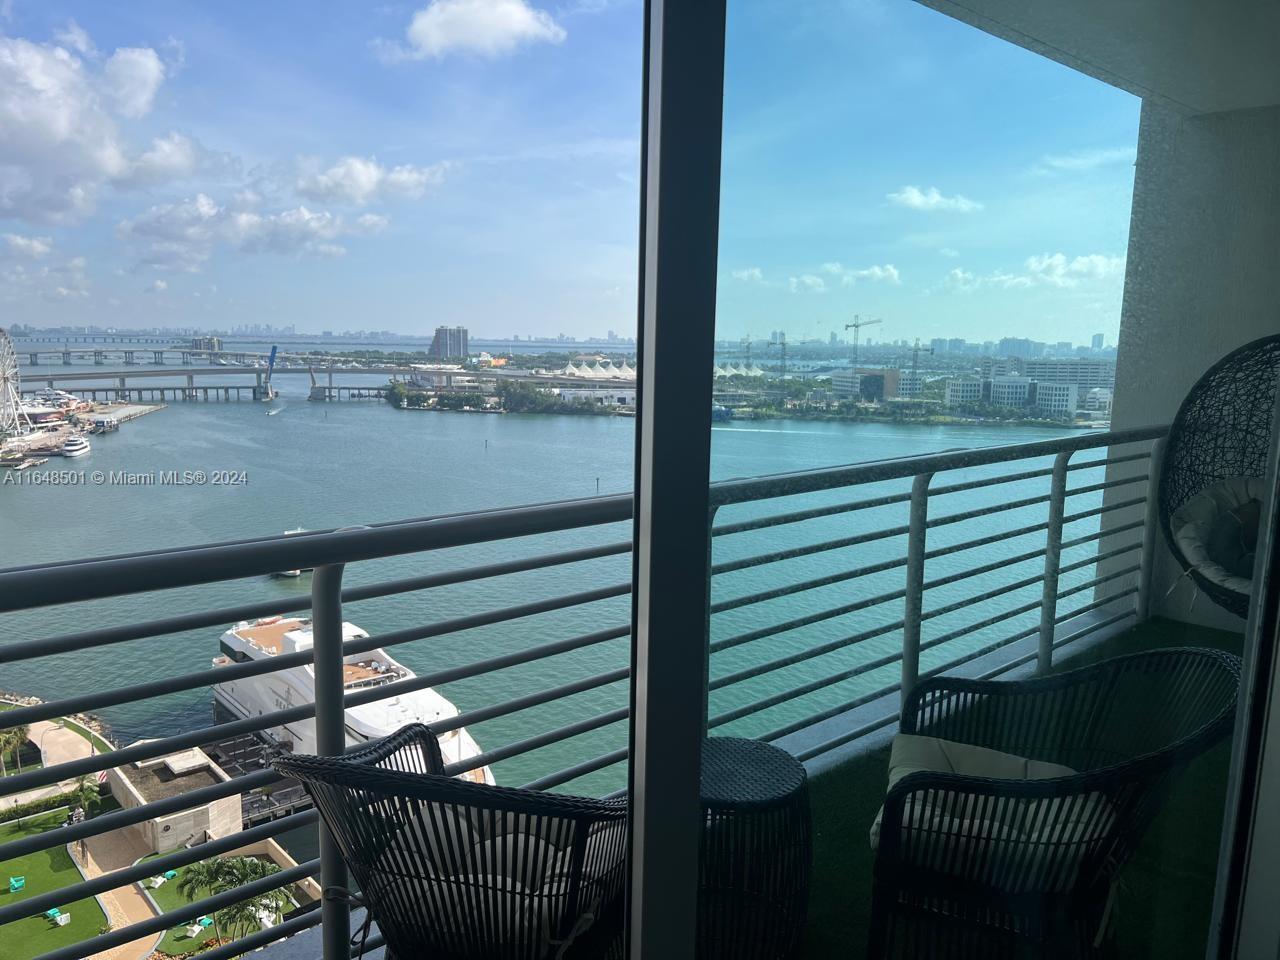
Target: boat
289	574
268	637
75	446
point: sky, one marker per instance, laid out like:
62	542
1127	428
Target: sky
397	166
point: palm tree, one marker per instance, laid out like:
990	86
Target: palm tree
205	877
86	792
243	917
6	742
18	737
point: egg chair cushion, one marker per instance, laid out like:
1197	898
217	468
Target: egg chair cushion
1216	532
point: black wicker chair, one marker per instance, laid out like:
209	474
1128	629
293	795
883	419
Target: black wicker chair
977	867
1218	443
463	871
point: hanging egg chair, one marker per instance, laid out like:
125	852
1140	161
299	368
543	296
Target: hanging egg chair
1211	483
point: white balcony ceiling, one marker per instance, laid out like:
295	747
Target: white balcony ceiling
1200	56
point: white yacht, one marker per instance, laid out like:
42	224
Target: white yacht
290	574
293	686
75	446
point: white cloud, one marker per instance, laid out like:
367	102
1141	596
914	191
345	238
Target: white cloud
359	181
949	252
74	37
849	276
486	28
55	281
184	236
807	283
60	137
29	247
175	157
748	275
931	199
1082	161
131	77
1049	269
158	286
1058	270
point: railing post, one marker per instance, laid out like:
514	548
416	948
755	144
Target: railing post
1052	561
1150	530
915	582
331	740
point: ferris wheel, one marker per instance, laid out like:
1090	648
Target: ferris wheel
12	419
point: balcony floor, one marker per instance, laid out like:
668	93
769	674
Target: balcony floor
1166	890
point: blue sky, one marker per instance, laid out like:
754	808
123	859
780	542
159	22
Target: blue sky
399	165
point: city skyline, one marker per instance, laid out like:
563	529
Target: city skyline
475	162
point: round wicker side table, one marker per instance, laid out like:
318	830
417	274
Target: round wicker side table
756	851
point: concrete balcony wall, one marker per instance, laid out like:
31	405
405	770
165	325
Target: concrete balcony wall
1203	277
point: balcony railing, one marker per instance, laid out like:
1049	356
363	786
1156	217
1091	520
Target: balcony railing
833	591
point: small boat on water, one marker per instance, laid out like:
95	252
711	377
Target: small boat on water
75	446
290	574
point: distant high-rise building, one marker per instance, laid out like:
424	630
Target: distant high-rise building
955	345
448	342
938	345
1098	341
1085	373
833	339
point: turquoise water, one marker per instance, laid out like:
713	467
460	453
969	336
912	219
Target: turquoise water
326	465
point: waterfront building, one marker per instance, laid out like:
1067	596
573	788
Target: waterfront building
1055	399
910	384
172	775
448	343
1084	372
963	391
1011	391
207	344
1097	400
1097	341
602	396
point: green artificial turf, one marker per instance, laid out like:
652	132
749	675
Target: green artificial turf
46	870
1166	889
175	940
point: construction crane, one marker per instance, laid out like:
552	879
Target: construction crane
856	327
782	342
915	364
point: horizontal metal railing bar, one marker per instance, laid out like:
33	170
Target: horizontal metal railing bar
827	746
1098	511
816	718
855	573
58	583
162	922
985	511
1103	534
814	513
537	742
808	619
1106	485
810	481
516	704
980	625
800	656
999	591
28	649
1089	584
1099	557
803	689
150	868
1094	628
1000	564
986	541
731	566
235	671
1011	665
127	817
944	489
1118	595
26	588
151	749
577	770
1109	461
980	652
